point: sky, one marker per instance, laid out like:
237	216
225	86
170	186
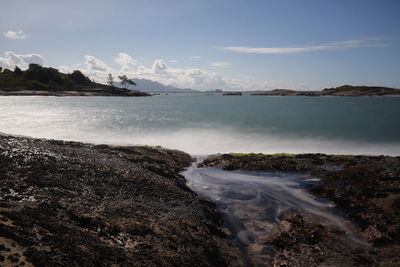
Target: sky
209	44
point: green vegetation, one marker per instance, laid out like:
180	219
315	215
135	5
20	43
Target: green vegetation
41	78
125	81
360	90
341	88
247	154
262	155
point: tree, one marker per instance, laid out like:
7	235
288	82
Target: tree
110	79
17	71
78	78
125	81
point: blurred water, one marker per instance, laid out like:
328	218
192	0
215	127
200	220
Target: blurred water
205	124
252	204
247	196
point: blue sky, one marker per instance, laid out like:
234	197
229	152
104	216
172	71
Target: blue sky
208	44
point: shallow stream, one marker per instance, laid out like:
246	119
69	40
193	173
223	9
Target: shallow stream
251	204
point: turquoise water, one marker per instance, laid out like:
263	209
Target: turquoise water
206	124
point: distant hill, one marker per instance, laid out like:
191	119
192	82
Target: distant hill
349	90
288	92
38	80
156	87
345	90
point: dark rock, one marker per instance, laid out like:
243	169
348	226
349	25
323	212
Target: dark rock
233	93
365	188
74	204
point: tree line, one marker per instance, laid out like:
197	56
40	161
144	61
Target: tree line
37	77
124	80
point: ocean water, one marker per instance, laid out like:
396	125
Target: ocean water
205	124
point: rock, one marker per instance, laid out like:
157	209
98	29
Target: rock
365	188
233	93
345	90
74	204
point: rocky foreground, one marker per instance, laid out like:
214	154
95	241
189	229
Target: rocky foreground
74	204
365	188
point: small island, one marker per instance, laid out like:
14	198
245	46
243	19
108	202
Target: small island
345	90
233	93
44	81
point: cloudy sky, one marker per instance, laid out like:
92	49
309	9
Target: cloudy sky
208	44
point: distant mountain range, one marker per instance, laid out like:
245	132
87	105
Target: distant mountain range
149	86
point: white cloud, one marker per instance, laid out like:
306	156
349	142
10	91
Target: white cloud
180	77
293	50
197	78
22	61
65	69
15	35
220	64
196	57
95	69
159	71
125	60
159	67
95	64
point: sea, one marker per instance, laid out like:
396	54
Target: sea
251	203
203	124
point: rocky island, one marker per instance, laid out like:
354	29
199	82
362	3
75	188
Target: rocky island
233	93
345	90
44	81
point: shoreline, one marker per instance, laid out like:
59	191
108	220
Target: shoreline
89	92
57	186
136	93
345	90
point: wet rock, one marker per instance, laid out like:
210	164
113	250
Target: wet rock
365	188
74	204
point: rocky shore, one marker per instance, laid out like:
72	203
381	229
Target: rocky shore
74	204
365	188
74	92
345	90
